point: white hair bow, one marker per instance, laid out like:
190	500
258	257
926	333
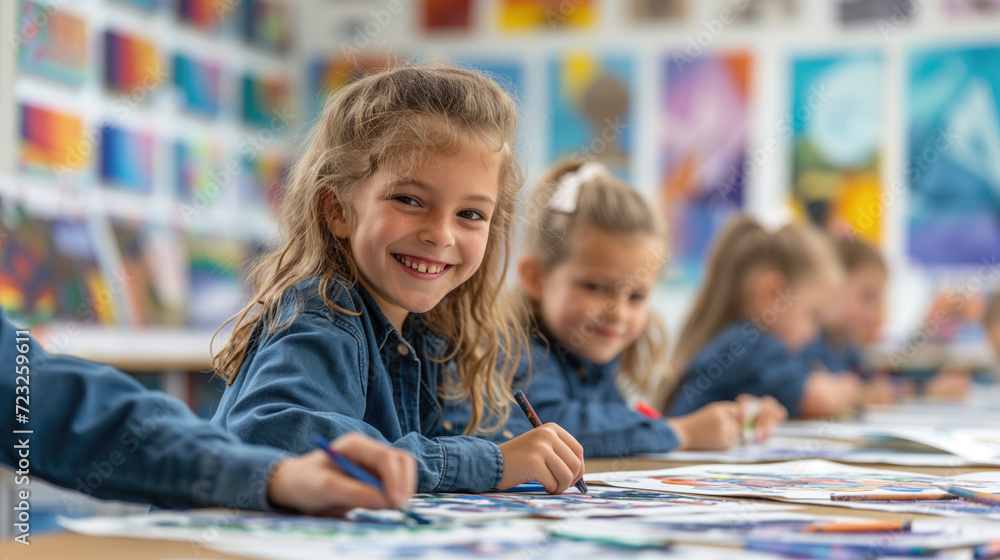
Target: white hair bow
568	191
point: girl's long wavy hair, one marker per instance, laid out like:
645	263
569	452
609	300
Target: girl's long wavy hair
394	118
606	205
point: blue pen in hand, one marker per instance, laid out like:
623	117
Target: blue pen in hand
352	469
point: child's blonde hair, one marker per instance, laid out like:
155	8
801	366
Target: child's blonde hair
743	249
607	205
395	118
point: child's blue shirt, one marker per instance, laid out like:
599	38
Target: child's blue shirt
327	373
582	398
824	353
740	359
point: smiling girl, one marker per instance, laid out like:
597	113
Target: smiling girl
396	224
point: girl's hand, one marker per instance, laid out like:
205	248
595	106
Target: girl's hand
712	427
770	414
313	484
826	394
547	454
949	383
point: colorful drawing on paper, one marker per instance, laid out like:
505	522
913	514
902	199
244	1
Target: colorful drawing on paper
516	16
126	158
599	502
953	158
27	285
446	15
795	480
198	83
56	49
591	109
132	65
836	129
327	75
51	142
705	119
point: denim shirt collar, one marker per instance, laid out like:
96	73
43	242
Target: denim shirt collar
573	361
380	323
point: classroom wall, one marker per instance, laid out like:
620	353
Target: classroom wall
815	31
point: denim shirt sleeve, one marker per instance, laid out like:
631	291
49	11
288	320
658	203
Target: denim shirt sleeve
309	379
98	431
605	427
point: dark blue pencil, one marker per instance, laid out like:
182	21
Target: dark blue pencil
522	401
354	471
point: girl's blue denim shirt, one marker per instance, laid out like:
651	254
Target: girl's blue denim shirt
326	373
741	359
825	354
581	397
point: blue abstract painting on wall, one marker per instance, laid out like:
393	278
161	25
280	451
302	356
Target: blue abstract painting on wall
952	161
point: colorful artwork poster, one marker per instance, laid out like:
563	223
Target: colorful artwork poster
126	159
198	83
153	274
518	16
705	118
971	7
267	24
51	141
836	128
206	15
952	161
265	100
56	49
446	15
598	502
263	178
592	109
132	65
27	282
326	75
82	288
214	289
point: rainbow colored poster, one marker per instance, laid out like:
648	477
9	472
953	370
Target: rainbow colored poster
27	285
517	16
132	65
198	84
126	158
51	141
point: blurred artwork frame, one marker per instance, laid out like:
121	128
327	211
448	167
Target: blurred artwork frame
704	122
523	16
592	109
56	50
836	129
952	154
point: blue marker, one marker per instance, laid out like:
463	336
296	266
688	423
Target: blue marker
356	472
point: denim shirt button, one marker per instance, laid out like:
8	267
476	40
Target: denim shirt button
448	425
402	349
